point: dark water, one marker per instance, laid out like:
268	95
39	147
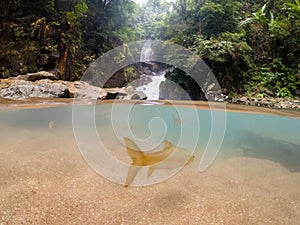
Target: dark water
270	137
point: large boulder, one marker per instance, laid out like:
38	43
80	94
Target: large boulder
171	91
20	89
80	89
45	85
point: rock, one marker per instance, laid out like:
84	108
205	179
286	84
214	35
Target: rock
143	80
243	99
20	89
117	80
149	67
5	83
155	68
212	91
130	90
116	93
44	89
128	93
112	95
169	90
269	102
147	71
57	90
80	89
283	105
36	76
138	95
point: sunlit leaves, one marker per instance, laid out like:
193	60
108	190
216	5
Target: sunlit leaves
78	11
294	8
258	17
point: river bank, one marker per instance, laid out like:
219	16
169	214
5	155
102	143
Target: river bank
43	88
269	102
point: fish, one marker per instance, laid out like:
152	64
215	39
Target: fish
51	124
177	120
153	159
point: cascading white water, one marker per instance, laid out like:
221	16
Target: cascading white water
146	53
152	88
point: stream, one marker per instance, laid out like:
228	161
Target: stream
152	88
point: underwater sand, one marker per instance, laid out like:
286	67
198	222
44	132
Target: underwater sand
44	180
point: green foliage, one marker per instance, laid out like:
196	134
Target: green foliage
229	47
258	17
126	34
215	12
273	79
253	47
229	56
51	5
130	73
78	12
294	8
179	77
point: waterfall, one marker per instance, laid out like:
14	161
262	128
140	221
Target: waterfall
147	52
152	88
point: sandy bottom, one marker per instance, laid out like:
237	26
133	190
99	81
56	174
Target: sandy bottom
44	180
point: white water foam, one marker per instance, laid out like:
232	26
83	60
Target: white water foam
152	89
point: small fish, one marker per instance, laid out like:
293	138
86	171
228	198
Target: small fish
177	120
51	124
153	159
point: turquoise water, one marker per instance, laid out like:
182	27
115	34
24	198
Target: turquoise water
44	179
262	136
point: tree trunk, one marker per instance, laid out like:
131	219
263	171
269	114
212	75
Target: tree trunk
183	10
62	63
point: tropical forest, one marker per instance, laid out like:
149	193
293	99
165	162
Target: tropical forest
252	46
165	112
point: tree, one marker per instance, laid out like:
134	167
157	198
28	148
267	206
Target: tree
219	16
